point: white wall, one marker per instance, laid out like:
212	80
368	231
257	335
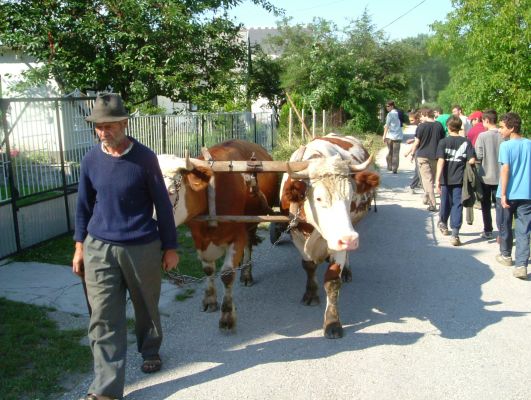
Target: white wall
12	65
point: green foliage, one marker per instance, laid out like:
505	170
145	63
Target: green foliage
265	79
55	251
487	45
186	294
356	70
34	354
185	50
431	68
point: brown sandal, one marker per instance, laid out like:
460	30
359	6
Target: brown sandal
151	365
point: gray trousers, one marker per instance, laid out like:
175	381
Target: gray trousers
111	271
393	155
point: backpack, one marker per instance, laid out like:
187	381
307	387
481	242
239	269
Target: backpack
402	117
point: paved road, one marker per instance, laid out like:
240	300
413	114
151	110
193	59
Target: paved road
422	319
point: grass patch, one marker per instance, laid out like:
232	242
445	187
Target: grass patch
185	295
282	151
35	354
61	250
54	251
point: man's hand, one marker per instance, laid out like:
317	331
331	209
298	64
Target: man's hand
170	259
438	187
504	203
78	267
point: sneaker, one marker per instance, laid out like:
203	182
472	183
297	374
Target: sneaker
443	228
431	208
520	272
487	235
454	241
507	261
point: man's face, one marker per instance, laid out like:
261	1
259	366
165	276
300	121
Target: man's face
455	111
504	131
111	134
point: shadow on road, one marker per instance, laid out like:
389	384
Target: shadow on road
399	274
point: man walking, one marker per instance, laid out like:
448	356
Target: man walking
392	136
427	137
487	147
513	198
120	247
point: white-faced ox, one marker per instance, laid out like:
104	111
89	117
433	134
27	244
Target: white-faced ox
333	193
187	186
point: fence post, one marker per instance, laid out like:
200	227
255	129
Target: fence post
290	128
232	125
202	132
324	121
313	122
255	134
164	142
272	118
302	124
62	157
11	180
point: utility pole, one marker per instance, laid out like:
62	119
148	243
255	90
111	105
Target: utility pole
422	89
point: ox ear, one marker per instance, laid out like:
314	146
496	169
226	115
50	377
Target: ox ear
198	178
366	181
294	191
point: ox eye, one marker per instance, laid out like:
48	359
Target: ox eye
319	199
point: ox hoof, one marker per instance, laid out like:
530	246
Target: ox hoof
310	299
210	307
246	278
346	275
333	330
227	323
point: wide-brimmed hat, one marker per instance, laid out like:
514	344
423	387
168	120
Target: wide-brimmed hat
108	107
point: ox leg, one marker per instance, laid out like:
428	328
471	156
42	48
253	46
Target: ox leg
246	274
311	297
210	302
227	321
332	326
346	273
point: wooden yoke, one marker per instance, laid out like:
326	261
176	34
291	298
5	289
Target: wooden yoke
211	193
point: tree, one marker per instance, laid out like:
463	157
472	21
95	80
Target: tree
432	68
185	50
265	79
355	70
486	43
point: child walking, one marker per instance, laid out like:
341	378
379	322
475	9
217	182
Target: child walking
453	152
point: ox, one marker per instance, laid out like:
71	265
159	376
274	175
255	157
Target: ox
334	192
187	186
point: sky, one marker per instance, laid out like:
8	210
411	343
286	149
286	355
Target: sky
419	14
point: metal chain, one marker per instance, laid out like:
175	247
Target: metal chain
182	280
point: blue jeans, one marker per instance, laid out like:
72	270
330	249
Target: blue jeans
521	210
451	207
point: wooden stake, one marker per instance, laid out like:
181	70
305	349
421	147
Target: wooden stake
297	112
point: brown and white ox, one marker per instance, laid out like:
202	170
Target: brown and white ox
334	192
187	186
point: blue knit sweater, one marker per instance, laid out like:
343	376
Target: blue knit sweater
116	196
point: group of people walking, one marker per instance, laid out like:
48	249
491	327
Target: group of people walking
479	158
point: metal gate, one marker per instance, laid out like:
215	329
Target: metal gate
42	143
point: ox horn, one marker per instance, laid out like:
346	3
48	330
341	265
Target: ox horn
302	174
362	166
188	163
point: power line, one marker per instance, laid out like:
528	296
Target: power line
406	13
320	5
